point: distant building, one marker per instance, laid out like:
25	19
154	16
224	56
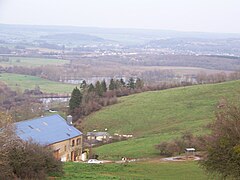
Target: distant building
98	136
190	151
55	132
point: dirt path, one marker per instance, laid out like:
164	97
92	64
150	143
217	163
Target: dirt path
168	159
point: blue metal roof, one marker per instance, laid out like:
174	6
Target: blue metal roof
46	130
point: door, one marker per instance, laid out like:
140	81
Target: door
72	156
56	154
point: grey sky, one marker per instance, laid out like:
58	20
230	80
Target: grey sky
186	15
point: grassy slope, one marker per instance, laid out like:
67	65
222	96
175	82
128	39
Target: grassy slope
156	116
145	170
32	62
22	82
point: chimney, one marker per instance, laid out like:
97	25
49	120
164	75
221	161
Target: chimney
69	119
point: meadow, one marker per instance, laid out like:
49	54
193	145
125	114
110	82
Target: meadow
140	170
154	117
32	62
20	82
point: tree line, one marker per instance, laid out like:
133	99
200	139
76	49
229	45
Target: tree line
204	78
91	97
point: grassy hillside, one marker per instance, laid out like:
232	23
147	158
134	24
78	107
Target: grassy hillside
153	117
22	82
32	62
145	170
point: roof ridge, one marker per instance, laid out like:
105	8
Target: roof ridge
39	118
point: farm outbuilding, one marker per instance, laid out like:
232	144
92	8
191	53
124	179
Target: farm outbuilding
99	136
190	151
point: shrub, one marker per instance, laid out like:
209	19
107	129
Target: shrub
223	147
177	146
29	160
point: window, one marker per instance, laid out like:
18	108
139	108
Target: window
78	141
73	143
65	148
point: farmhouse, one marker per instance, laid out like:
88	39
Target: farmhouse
54	132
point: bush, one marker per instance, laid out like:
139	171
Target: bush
29	160
223	147
178	145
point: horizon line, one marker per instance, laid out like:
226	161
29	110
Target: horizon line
118	28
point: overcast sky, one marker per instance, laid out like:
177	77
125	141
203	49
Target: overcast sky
185	15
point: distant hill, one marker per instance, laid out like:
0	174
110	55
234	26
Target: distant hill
199	45
126	36
153	117
72	37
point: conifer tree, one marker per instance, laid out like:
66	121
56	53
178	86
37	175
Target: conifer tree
98	89
83	85
104	86
123	84
131	83
112	85
91	88
76	99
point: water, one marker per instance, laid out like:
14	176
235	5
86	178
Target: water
50	100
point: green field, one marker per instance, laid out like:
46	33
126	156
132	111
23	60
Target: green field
22	82
32	62
143	170
153	117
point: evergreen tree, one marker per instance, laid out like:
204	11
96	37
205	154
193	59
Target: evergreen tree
104	86
112	85
91	88
76	99
123	84
83	85
98	89
131	83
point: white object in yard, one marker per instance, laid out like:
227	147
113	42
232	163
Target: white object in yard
94	161
84	156
52	111
190	149
63	159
